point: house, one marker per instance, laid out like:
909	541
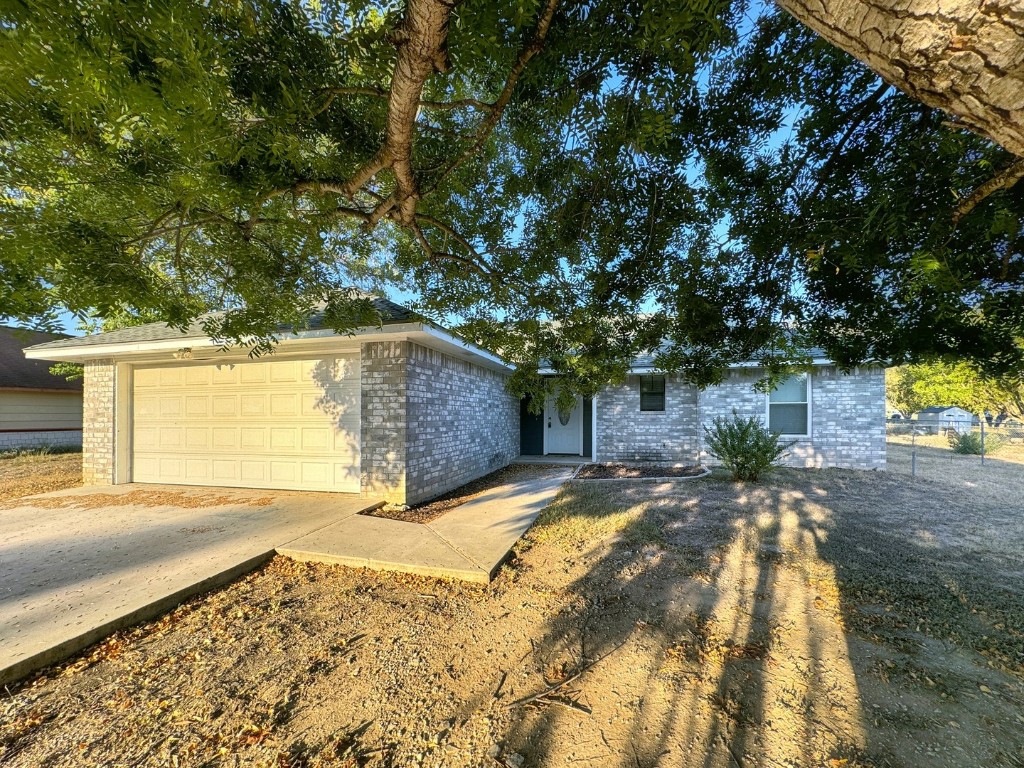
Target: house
37	409
408	411
941	418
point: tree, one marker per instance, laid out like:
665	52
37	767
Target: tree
573	182
964	58
865	203
961	384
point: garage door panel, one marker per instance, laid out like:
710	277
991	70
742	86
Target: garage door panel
284	405
291	424
197	405
225	437
252	438
253	405
225	472
253	373
171	438
225	373
146	378
197	438
171	377
198	375
224	405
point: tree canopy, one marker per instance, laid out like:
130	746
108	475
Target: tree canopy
568	181
913	387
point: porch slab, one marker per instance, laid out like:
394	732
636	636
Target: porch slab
485	529
555	458
468	543
384	545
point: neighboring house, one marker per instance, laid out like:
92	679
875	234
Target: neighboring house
408	411
941	418
37	409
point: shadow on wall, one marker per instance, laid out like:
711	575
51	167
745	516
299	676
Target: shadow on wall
339	381
718	619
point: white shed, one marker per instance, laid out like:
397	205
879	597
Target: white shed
941	418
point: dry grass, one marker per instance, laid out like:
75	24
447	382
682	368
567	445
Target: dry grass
24	474
1000	479
822	619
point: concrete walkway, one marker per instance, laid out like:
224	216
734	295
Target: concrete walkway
77	565
468	543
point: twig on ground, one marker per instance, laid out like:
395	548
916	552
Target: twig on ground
576	675
501	683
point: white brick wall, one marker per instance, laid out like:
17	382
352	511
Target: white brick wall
847	415
463	423
64	438
625	433
847	419
98	423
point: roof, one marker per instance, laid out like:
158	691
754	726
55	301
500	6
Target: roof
942	409
17	371
646	362
390	313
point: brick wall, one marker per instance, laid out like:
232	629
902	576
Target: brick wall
67	438
98	423
625	433
847	415
383	414
462	421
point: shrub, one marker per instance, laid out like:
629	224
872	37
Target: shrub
970	443
744	446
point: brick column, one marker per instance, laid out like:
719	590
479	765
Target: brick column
98	423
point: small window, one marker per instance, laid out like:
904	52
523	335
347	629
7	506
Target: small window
652	393
788	410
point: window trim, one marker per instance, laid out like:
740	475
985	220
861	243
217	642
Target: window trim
810	415
663	393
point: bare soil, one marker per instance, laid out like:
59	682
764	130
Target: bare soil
30	473
431	510
619	471
828	619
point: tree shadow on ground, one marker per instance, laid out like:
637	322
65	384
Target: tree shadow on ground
709	624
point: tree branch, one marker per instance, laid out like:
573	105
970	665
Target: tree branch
1003	180
433	254
531	49
863	111
457	237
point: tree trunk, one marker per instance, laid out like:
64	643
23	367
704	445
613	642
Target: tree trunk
965	57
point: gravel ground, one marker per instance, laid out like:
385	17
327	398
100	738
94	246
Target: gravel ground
29	473
827	619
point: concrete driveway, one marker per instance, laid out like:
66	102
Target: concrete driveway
77	565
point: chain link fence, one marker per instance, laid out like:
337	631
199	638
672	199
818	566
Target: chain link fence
935	450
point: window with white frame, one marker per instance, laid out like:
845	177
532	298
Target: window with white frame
789	407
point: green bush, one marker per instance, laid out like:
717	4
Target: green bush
970	443
744	446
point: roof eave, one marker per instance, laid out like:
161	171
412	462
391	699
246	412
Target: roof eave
127	351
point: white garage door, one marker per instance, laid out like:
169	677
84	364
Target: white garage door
290	424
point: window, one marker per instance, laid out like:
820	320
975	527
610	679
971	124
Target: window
652	393
789	407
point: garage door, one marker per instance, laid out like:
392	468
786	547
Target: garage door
290	424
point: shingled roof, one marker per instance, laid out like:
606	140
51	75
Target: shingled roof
390	313
16	371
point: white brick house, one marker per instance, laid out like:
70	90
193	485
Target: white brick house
836	419
405	410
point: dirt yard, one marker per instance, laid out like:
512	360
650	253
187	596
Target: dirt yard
829	619
23	474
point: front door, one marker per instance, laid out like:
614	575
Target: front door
563	432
